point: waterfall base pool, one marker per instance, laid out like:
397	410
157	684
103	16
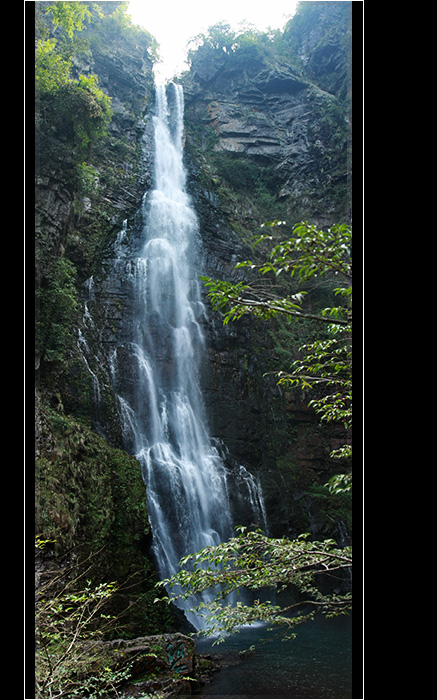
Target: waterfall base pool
316	664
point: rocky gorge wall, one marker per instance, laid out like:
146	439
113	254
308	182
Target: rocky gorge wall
268	137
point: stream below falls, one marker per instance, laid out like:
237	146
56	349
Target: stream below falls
316	664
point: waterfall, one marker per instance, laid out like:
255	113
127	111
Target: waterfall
154	362
161	405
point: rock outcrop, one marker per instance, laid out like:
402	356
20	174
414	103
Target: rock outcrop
277	120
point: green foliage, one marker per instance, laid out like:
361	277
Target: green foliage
77	109
93	110
70	613
239	45
58	300
90	499
89	492
242	177
327	363
251	561
51	69
87	179
40	543
310	251
333	16
118	24
236	300
220	36
69	15
341	483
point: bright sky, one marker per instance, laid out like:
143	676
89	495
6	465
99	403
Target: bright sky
174	22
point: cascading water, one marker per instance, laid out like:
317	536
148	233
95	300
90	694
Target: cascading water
157	381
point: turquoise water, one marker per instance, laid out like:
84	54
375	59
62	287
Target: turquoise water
316	664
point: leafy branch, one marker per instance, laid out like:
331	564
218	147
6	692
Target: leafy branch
235	301
253	562
309	253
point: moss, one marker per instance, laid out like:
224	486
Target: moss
58	300
91	500
90	494
242	178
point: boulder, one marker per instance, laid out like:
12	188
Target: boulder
166	664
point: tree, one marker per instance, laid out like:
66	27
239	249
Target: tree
252	561
70	15
220	37
75	107
327	364
239	44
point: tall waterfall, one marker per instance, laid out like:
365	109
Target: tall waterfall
188	501
155	370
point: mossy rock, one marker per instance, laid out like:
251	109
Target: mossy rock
90	495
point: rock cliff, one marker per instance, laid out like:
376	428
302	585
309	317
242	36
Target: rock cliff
274	120
268	137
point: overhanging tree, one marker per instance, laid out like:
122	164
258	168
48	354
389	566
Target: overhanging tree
327	364
252	561
259	565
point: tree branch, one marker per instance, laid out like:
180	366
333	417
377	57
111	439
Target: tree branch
272	307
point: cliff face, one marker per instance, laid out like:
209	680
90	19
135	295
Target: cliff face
289	131
273	120
268	137
81	197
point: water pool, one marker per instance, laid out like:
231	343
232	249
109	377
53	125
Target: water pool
316	664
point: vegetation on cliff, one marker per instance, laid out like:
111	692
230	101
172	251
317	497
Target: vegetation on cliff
90	499
315	44
80	155
75	108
